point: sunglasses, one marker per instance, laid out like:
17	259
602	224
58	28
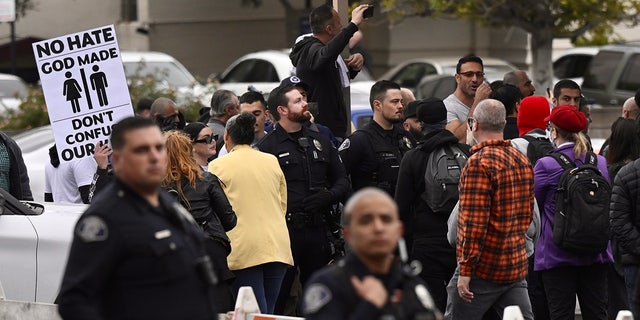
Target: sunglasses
207	139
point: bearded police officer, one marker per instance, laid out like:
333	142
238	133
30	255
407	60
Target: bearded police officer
372	155
136	253
369	283
315	178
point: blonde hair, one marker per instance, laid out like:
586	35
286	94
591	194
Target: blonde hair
581	142
181	163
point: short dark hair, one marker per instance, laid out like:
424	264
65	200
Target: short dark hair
277	97
564	84
125	125
636	97
320	17
144	104
379	90
508	95
241	128
468	58
251	97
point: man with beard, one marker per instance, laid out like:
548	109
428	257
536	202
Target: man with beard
315	177
372	155
471	89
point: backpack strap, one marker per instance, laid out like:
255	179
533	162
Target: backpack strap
563	160
449	151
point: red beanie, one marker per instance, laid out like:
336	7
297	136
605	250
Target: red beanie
531	114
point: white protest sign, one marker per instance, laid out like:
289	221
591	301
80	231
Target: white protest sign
85	89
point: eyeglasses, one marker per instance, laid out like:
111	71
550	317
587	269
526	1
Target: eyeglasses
470	74
207	139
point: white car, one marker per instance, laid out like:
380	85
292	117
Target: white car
13	91
409	73
263	70
171	73
34	245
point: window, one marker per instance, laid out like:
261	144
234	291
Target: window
411	74
601	69
129	10
629	80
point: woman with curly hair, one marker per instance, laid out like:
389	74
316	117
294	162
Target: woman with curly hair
201	194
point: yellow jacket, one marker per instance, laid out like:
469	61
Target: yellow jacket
257	191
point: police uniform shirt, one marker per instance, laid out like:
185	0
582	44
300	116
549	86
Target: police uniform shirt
309	163
130	260
330	295
372	156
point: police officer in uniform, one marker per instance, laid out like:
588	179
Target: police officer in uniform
372	155
369	283
316	178
136	253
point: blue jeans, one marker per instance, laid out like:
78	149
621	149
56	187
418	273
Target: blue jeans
265	280
486	294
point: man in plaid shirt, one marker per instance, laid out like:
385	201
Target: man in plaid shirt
496	205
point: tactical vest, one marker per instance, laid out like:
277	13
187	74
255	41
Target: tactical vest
388	158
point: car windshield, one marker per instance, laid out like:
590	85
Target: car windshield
166	71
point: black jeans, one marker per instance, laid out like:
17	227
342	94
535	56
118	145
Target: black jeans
588	282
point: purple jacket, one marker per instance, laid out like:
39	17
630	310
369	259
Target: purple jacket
547	174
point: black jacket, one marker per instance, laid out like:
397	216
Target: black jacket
316	65
424	229
330	295
625	212
208	205
18	176
131	260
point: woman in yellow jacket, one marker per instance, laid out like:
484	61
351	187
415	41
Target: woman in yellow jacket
256	188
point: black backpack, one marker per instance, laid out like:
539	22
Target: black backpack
538	147
581	222
441	178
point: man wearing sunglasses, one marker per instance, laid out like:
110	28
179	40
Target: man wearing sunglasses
471	89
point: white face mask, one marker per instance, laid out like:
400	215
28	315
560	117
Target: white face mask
550	138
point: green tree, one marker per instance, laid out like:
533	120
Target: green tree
578	20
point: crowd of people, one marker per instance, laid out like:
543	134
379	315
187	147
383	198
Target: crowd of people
435	209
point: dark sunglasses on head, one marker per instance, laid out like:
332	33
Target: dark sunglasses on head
207	139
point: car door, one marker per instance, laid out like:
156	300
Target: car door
628	82
18	245
600	75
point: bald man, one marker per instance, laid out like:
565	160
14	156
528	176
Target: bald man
357	286
520	80
630	109
165	113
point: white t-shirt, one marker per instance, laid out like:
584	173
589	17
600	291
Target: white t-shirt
63	182
456	110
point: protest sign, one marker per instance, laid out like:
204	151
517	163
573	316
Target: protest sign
85	89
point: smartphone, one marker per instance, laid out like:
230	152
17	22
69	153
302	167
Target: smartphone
368	12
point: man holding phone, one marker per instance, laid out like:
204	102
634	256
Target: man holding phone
315	60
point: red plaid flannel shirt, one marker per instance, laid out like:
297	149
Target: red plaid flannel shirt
496	202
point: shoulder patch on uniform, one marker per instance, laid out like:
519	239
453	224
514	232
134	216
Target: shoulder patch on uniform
425	298
91	229
345	144
316	297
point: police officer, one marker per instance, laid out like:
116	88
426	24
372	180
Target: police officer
315	178
369	283
136	253
372	155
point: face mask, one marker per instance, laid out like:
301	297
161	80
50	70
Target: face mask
549	137
166	124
